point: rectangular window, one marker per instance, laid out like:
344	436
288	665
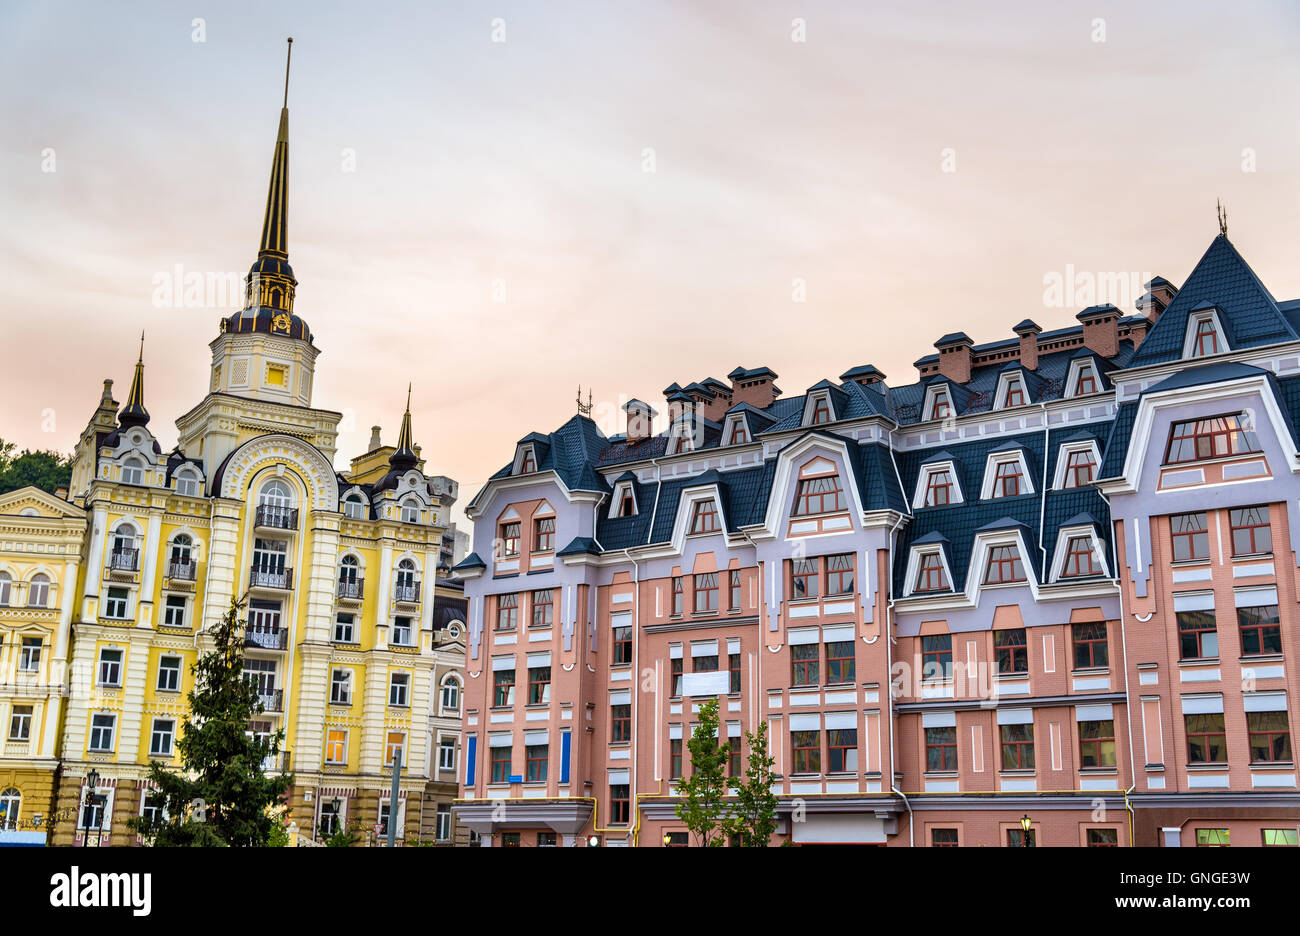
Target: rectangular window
336	746
1251	533
1007	481
807	751
622	645
706	593
110	667
395	747
174	612
1281	838
839	574
677	594
1270	737
1015	394
1017	747
1103	838
620	811
675	673
341	687
547	840
442	830
734	759
503	685
401	631
115	604
1097	743
169	674
944	838
1207	740
447	754
1212	838
620	719
544	535
1090	648
931	576
821	411
1079	467
1190	538
102	728
1197	637
1260	630
1012	649
1217	437
1087	382
1004	566
840	662
343	628
941	749
1080	558
398	687
818	496
704	664
509	539
160	742
733	603
543	607
1206	338
936	656
507	612
705	519
674	758
535	761
805	578
29	658
842	750
500	764
938	488
733	665
539	685
20	723
804	665
1018	838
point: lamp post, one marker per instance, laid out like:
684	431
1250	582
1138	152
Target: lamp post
668	839
334	823
1025	823
92	784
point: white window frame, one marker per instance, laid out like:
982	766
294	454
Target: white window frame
984	543
810	407
409	504
1004	389
1063	537
526	448
126	604
616	502
100	663
991	472
187	477
914	571
734	421
1194	320
1077	367
405	694
347	683
1063	454
442	747
351	625
178	669
132	465
111	729
171	737
932	394
347	737
449	682
923	483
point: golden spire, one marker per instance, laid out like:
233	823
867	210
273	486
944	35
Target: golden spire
275	224
404	456
134	413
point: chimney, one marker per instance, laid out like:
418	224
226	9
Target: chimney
374	439
865	374
1028	331
639	418
61	492
1101	329
755	386
1159	293
955	356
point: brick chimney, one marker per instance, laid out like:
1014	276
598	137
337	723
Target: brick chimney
755	386
1159	293
1028	333
865	374
955	356
640	416
1101	329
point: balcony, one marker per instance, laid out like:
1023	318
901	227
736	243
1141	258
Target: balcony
271	517
182	571
124	560
350	590
270	578
273	638
272	701
407	594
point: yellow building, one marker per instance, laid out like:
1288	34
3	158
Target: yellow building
40	547
337	569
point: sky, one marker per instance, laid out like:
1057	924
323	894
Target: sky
500	201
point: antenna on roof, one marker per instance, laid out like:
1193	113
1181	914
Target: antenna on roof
1223	217
584	409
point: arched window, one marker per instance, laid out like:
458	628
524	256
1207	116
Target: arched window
6	585
124	538
182	550
348	568
38	593
133	471
187	484
407	588
275	494
450	695
410	511
354	508
10	800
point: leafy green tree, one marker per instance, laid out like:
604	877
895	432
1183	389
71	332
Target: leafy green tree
222	796
46	470
703	803
344	837
753	817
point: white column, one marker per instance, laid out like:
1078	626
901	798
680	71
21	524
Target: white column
95	562
149	574
384	600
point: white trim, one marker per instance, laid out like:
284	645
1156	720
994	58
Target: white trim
520	450
991	464
979	562
616	502
1194	319
1063	453
1063	537
1004	389
914	569
810	406
923	483
729	432
931	396
1077	367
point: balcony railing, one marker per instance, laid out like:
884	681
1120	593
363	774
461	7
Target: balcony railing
270	578
407	593
353	588
272	701
182	571
273	517
267	638
124	560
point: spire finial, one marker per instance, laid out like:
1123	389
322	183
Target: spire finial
584	409
134	413
287	57
140	360
1223	217
405	456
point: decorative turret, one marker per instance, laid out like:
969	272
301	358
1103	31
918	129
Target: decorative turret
134	413
405	456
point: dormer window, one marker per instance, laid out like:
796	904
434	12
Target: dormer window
1205	335
187	484
739	433
1080	558
1007	482
705	518
1087	382
1006	474
1216	437
940	406
354	508
938	490
819	496
1207	338
931	575
1079	468
1015	392
624	503
410	511
1004	566
527	464
133	471
821	412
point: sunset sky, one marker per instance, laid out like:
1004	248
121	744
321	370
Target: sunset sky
500	241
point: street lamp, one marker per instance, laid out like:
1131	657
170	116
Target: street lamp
593	841
92	784
1025	823
668	839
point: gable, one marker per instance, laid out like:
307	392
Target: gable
44	503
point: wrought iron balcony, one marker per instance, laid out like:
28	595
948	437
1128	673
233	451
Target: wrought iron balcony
182	571
272	701
273	517
351	589
124	560
409	594
270	638
270	578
